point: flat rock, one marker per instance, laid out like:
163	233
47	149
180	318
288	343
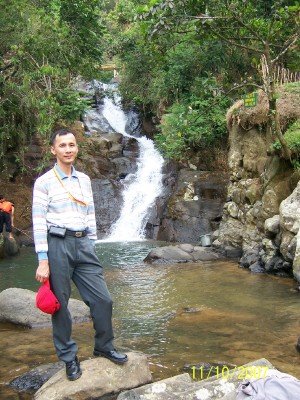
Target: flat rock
100	377
182	387
17	306
167	389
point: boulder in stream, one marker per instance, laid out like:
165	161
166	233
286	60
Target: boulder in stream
17	306
8	246
181	253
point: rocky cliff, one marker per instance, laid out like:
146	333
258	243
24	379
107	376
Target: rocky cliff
261	215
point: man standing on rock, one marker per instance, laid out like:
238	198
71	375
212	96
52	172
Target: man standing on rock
64	234
6	216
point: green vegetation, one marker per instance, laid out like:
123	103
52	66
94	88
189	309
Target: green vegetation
292	136
183	63
169	47
44	47
194	123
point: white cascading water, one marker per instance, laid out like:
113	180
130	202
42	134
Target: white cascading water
140	189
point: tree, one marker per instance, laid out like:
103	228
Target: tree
44	47
269	30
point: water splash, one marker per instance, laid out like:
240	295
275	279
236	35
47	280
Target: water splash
140	189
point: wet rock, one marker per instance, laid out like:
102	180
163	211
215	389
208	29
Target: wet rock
2	248
191	310
11	246
257	268
249	258
17	306
8	246
34	379
176	254
168	254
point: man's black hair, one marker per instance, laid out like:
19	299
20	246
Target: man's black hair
1	196
60	132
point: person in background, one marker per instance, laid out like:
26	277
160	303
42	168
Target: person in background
64	228
6	215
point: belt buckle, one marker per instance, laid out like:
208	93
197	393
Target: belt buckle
78	234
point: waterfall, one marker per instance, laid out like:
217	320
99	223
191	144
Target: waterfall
141	188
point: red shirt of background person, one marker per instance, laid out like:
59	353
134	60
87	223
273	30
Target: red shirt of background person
6	215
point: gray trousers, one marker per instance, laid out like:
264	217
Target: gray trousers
75	258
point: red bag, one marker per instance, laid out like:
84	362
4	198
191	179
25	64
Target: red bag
46	300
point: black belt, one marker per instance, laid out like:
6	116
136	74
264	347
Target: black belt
77	234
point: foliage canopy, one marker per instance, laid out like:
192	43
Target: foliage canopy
183	63
169	46
44	47
266	31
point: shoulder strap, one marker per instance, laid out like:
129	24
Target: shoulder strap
82	203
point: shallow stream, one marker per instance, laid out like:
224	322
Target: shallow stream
177	314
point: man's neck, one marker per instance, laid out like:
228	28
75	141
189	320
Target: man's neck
66	169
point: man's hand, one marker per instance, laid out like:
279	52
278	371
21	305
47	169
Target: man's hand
43	271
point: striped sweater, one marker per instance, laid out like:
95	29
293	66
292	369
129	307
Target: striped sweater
52	205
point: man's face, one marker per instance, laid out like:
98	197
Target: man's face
65	149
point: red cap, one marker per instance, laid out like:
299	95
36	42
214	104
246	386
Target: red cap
46	300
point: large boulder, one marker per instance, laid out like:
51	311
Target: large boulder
17	306
289	224
8	246
100	377
194	207
296	263
290	211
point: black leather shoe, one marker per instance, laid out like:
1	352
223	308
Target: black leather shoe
73	370
112	355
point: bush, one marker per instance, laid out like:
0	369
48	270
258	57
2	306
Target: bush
198	122
292	136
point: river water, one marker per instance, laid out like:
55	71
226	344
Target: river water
177	314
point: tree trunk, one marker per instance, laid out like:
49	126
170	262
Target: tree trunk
270	89
275	126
